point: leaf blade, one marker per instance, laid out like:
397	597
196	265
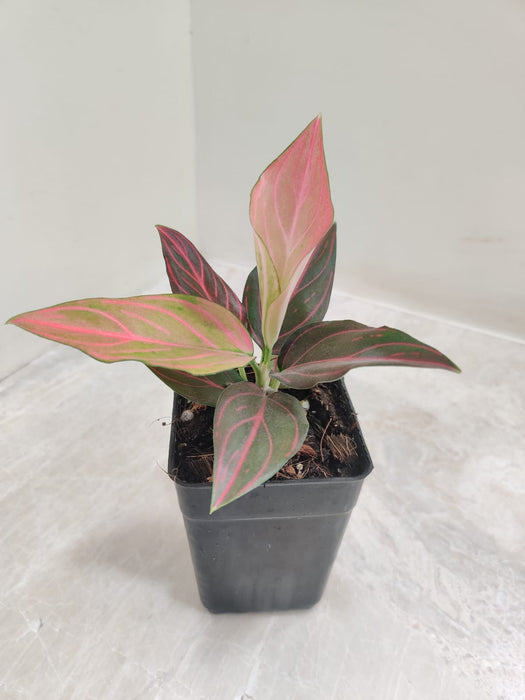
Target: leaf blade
290	210
326	351
175	331
252	302
190	273
255	433
310	299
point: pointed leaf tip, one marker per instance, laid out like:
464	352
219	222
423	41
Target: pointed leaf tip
174	331
190	273
326	351
290	210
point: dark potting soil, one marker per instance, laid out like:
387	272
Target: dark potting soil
329	449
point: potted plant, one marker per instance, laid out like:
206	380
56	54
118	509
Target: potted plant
265	448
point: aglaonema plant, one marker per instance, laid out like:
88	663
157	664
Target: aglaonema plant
199	339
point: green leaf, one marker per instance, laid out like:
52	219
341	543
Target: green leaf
310	299
168	330
204	389
255	433
326	351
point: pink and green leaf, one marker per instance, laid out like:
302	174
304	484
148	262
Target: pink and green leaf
326	351
310	298
290	210
190	273
274	300
174	331
255	434
203	389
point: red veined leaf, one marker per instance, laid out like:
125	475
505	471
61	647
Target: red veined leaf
326	351
255	433
168	330
290	211
310	298
190	273
204	389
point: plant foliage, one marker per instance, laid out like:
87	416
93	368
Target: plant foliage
200	339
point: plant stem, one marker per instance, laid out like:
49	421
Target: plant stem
262	374
242	372
262	371
258	376
274	384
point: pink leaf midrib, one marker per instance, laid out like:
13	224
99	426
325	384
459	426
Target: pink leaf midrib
172	315
363	351
127	334
199	282
291	451
299	198
303	368
203	312
311	329
258	419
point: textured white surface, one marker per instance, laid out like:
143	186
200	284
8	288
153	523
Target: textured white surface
425	601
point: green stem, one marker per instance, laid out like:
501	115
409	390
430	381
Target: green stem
258	376
274	384
242	372
266	358
264	369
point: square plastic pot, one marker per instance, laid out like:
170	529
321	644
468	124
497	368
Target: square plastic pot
272	549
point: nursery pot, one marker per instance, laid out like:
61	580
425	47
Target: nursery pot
273	548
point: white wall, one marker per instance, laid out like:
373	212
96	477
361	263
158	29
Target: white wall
97	147
424	119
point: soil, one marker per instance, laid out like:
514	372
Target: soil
329	449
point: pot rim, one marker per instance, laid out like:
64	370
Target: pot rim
287	482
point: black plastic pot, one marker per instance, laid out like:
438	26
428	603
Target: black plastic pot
272	549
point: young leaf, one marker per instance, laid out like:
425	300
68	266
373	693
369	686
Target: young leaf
252	302
290	211
255	433
324	352
310	298
205	389
175	331
190	273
